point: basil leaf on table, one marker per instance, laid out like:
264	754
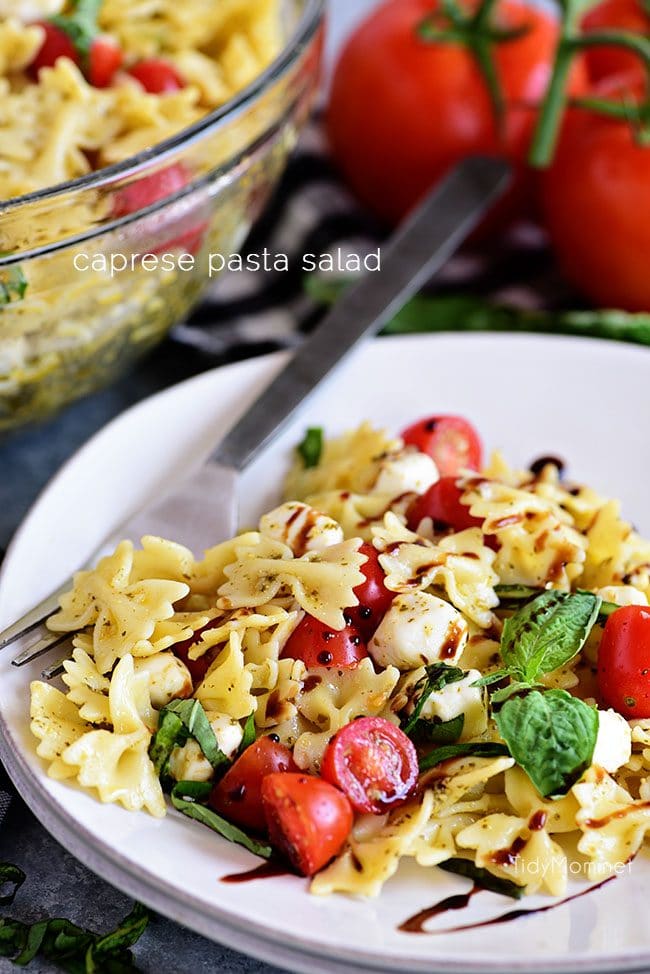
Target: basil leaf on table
187	797
439	675
483	878
479	749
178	721
551	735
311	448
547	632
10	876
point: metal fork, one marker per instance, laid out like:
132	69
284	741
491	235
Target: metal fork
209	497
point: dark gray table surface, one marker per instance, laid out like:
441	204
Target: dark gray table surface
58	885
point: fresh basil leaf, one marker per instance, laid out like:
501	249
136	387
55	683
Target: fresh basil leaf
547	632
439	675
496	677
506	692
250	734
479	749
432	731
483	878
13	283
551	735
178	721
311	448
13	877
511	596
186	797
80	24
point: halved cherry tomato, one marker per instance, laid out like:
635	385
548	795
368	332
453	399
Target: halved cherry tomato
149	190
374	598
442	504
56	44
624	662
238	796
197	667
104	60
451	441
308	820
318	645
374	763
157	76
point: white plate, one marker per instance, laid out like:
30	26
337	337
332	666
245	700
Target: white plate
584	401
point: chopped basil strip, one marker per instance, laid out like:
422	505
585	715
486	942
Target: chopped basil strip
11	879
187	797
439	675
13	283
178	721
250	734
547	632
479	749
71	948
483	878
311	448
551	735
433	731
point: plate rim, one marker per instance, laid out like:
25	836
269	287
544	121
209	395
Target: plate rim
213	921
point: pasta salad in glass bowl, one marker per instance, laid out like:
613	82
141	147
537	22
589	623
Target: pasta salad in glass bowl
137	140
417	655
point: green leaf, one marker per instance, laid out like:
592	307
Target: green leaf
548	632
506	692
13	283
551	735
434	731
187	796
483	878
479	749
81	24
438	676
311	448
13	877
178	721
250	734
495	677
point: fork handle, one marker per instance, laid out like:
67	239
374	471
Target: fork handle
413	255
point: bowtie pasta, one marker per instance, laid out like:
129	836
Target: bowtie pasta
420	648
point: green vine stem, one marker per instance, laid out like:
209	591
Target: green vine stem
571	42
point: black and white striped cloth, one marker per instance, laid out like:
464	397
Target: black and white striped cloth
249	313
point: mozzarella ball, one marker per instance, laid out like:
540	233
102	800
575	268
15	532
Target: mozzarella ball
460	698
418	629
614	742
188	763
169	677
622	595
301	527
406	472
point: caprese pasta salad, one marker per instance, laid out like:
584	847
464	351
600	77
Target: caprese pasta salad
416	655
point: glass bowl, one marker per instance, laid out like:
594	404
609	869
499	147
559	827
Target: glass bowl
81	297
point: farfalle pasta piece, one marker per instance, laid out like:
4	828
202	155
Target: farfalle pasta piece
349	462
437	840
159	558
456	778
519	850
356	513
226	688
265	620
460	564
613	824
123	613
537	542
371	859
55	721
606	537
87	687
332	698
19	44
321	582
116	763
558	814
276	685
209	573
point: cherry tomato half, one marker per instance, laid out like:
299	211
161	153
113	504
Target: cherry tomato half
151	189
374	763
442	503
104	60
624	662
238	796
56	44
157	76
197	667
451	441
374	598
317	645
308	820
